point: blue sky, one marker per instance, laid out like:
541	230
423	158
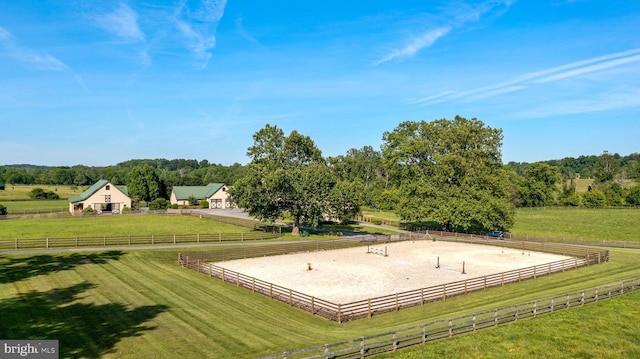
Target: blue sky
100	82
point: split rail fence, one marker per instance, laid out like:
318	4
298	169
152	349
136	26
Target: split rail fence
397	339
203	262
111	241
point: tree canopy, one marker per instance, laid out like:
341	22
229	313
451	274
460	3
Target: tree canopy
449	172
287	174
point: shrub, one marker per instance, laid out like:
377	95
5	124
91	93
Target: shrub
204	203
127	209
158	204
39	193
594	198
633	197
88	210
174	206
3	210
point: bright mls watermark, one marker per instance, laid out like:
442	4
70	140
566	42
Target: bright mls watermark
36	349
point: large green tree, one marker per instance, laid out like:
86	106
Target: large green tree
287	174
449	172
143	183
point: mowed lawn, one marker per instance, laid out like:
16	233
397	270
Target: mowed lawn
21	192
141	304
576	223
112	225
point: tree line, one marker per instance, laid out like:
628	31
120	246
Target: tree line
447	173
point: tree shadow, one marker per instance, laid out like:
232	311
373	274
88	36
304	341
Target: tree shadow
85	330
13	269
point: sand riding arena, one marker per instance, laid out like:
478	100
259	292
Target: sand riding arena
357	278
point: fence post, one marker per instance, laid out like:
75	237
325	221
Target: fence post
339	313
47	242
444	291
369	308
397	307
313	305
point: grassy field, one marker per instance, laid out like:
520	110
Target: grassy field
16	207
115	225
141	304
576	223
21	192
582	184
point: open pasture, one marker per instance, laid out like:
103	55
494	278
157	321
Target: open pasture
353	274
141	304
20	192
578	223
113	225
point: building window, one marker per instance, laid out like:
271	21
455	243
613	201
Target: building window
107	198
107	187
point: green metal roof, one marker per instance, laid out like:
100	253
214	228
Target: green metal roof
183	193
93	189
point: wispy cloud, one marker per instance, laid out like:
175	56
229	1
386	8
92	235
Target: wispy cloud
416	44
557	73
198	23
450	19
122	23
33	59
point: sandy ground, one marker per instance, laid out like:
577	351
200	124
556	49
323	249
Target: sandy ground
348	275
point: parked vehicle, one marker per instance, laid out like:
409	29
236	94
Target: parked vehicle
495	234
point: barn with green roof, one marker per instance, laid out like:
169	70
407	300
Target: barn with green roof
101	197
214	193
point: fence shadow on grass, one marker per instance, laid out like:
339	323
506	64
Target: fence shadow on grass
13	269
85	330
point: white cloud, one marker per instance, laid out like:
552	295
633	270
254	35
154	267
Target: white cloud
31	58
557	73
123	23
198	23
454	17
423	41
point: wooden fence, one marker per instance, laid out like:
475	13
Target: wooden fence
203	263
397	339
110	241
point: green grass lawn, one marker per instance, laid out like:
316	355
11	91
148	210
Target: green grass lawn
140	304
15	207
20	192
113	225
577	223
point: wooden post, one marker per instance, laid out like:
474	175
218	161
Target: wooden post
290	297
397	307
339	313
444	291
313	309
